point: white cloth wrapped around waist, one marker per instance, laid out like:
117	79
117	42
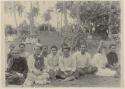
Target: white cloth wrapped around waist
42	76
105	72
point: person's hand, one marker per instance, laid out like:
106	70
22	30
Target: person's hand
19	74
36	72
56	69
68	72
65	73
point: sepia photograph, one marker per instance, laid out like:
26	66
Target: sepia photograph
62	43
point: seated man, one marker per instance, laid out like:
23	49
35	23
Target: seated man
67	65
112	57
36	66
51	62
83	63
17	69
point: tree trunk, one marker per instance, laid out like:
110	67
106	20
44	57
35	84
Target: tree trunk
109	27
31	19
65	17
14	14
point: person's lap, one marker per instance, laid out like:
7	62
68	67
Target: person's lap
83	71
13	78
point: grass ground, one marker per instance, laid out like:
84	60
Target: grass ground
88	81
85	81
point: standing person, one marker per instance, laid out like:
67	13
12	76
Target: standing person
100	61
23	52
112	57
11	48
36	66
67	65
17	69
51	62
83	62
45	50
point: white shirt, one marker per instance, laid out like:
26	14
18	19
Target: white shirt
51	61
82	60
99	60
67	64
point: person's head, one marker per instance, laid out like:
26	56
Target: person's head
112	47
22	47
37	49
11	47
83	47
16	53
45	48
66	50
102	49
54	50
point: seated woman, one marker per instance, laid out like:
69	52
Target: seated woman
17	69
36	65
100	61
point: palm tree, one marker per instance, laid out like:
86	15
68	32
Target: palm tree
47	17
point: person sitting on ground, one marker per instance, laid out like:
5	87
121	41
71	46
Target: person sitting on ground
23	52
36	74
17	69
67	65
83	62
100	61
112	57
51	62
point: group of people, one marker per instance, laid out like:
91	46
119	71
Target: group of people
30	39
42	68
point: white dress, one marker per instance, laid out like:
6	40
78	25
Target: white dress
34	75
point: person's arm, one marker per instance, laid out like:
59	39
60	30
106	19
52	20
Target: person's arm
73	63
93	61
31	65
57	66
61	64
25	69
89	60
47	67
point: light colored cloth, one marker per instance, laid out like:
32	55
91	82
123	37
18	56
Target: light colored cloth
51	62
28	40
99	60
25	54
37	79
35	75
105	72
31	64
67	64
82	60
